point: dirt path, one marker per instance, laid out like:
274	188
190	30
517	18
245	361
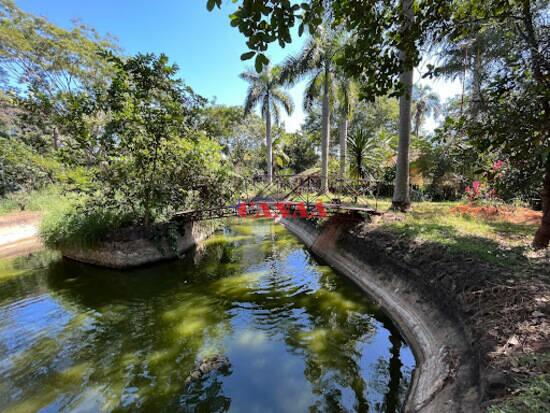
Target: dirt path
19	234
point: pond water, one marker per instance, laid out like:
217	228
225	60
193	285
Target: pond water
295	336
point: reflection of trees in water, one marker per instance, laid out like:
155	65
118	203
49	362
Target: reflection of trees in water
205	395
389	378
145	329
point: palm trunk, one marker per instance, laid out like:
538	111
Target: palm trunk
417	123
325	137
476	86
269	145
401	199
343	145
55	138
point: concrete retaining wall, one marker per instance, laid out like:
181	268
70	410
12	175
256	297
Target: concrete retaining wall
446	378
138	250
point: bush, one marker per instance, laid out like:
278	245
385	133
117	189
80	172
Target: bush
75	224
23	169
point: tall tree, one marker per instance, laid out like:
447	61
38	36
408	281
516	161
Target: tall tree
426	103
401	199
345	90
317	62
49	64
265	90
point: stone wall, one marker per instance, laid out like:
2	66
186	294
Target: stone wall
133	247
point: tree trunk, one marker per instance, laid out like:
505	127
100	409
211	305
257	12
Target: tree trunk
343	145
55	138
325	137
269	145
542	236
476	84
401	198
417	122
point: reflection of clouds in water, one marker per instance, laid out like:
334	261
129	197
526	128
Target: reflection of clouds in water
292	397
252	340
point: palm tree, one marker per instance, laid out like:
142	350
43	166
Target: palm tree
265	90
346	97
367	153
401	199
316	61
427	103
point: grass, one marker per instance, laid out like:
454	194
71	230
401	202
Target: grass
71	225
43	200
533	396
498	242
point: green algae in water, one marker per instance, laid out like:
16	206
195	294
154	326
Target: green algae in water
298	338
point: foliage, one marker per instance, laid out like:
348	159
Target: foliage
50	198
372	52
426	103
265	90
301	150
153	161
367	153
77	224
533	397
45	65
21	168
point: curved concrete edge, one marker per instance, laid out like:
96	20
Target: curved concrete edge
137	252
446	378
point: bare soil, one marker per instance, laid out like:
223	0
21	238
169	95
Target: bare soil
505	213
19	234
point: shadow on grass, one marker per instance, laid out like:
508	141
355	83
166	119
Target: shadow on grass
509	228
480	247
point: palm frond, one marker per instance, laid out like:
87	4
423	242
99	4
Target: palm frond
276	112
254	95
249	76
283	98
312	91
296	67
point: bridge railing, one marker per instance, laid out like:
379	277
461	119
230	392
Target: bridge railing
307	188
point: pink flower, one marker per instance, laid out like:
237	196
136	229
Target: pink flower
477	186
498	165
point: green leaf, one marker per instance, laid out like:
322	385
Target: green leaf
248	55
210	5
260	62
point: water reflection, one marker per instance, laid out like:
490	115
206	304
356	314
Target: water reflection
298	337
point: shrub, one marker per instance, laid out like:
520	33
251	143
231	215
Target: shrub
23	169
76	224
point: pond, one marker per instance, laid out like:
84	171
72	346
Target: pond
285	332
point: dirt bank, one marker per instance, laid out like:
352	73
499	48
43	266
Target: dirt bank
19	234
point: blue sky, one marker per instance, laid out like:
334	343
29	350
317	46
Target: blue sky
203	44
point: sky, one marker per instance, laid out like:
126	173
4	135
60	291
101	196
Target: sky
203	44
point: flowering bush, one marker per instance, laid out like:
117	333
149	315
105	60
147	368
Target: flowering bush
478	192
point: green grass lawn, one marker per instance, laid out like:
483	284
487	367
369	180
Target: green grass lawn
495	241
44	200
